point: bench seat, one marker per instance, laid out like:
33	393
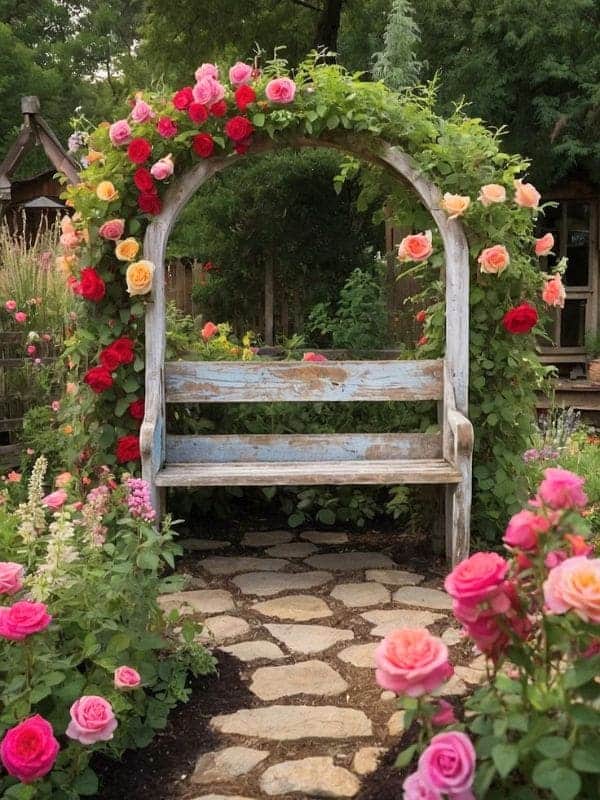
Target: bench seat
278	473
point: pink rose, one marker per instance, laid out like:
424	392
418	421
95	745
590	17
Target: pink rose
554	558
141	112
28	751
415	247
477	578
444	715
55	405
208	331
162	169
574	585
544	245
491	193
207	71
112	229
415	788
23	619
31	349
554	293
562	489
447	765
10	305
494	260
412	662
526	195
92	720
11	577
240	74
127	678
55	500
119	132
208	91
524	528
63	480
20	317
316	357
281	90
69	240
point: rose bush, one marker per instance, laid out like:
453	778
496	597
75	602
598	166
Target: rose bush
531	730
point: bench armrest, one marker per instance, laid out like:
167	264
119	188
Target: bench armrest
462	434
151	436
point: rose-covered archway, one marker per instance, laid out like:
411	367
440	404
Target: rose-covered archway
198	130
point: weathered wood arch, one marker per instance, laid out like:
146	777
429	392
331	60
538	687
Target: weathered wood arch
457	436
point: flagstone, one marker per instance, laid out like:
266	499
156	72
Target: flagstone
297	607
451	636
266	538
224	765
292	550
310	777
204	544
324	537
395	724
306	677
219	629
200	601
309	638
360	595
349	562
230	565
360	655
265	584
423	596
394	577
287	723
254	650
366	760
387	620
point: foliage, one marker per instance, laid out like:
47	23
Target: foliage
396	65
95	560
534	721
536	74
592	345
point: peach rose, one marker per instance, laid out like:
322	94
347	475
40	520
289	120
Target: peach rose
554	293
494	260
544	245
139	277
106	191
66	263
415	247
492	193
94	155
112	229
412	662
526	195
127	250
574	585
455	205
63	480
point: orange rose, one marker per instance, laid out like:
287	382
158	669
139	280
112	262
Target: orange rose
94	155
106	191
554	293
127	250
455	205
416	247
491	193
139	277
544	245
65	264
526	195
494	260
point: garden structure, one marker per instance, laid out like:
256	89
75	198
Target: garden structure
263	460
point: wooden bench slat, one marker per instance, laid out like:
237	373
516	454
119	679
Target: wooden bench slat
294	381
428	471
303	447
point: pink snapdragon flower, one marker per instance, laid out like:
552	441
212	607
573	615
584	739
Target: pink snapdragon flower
138	500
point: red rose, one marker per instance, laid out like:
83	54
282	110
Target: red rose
98	379
119	352
197	113
166	127
149	203
244	96
422	341
139	150
218	109
241	148
137	409
520	319
128	449
203	145
143	180
183	98
90	286
421	316
239	128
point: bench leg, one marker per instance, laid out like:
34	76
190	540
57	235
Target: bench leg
458	521
158	498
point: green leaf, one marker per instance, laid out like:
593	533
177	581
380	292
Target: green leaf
553	746
119	642
584	715
121	406
405	757
147	560
86	783
21	791
586	758
326	516
581	672
563	782
258	120
505	758
295	519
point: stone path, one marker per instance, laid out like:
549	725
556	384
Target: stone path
303	614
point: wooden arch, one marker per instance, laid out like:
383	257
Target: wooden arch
456	359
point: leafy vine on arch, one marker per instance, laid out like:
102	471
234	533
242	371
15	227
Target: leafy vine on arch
131	162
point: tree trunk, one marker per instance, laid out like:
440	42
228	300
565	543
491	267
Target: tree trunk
328	25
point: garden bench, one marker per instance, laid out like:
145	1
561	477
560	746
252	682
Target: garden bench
442	459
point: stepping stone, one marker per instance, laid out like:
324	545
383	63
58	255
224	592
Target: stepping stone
366	760
229	565
360	655
422	596
324	537
470	675
266	538
204	544
201	601
223	797
309	638
264	584
223	628
299	607
387	620
360	595
455	686
288	723
395	724
451	636
310	777
395	577
349	562
224	765
254	650
292	550
387	696
307	677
